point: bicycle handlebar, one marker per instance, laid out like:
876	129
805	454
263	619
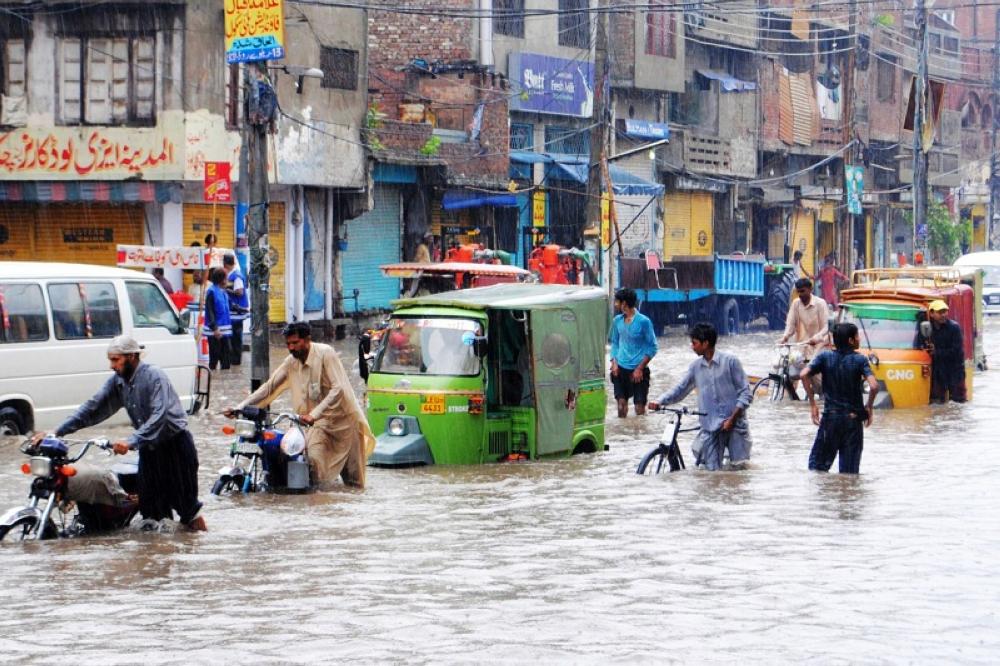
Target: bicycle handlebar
683	411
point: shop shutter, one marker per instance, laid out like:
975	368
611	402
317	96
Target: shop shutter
372	240
702	214
676	224
804	238
17	232
87	233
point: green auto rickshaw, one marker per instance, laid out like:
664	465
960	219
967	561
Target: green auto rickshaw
506	372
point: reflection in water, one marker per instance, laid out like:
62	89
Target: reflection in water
572	560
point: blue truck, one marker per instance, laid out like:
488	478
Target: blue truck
728	290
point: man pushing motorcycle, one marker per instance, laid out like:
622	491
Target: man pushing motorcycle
340	440
168	460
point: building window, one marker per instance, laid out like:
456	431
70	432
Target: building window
522	136
508	18
566	140
885	74
661	26
340	68
107	80
574	23
13	110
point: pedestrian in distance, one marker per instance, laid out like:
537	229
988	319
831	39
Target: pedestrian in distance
798	270
162	279
845	415
723	398
239	306
423	252
829	278
947	355
340	440
168	459
218	327
633	346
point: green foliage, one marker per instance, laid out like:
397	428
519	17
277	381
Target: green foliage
884	20
432	146
944	236
373	117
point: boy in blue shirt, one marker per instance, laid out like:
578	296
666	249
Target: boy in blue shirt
633	346
845	414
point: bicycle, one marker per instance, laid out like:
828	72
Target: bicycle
652	462
781	381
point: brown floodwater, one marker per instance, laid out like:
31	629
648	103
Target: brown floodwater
576	560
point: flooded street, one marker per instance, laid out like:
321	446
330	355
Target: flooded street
577	560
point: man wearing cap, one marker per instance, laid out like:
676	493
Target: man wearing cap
423	252
340	440
947	354
168	460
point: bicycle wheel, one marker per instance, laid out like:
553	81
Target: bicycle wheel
661	459
762	383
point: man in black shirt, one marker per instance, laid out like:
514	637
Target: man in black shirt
841	430
947	355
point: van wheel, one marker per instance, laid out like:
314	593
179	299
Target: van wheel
11	422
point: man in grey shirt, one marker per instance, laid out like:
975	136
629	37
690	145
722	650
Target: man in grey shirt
168	460
723	397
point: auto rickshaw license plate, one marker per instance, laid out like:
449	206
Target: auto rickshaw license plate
433	404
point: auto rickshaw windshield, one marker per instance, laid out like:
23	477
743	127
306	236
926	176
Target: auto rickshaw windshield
883	326
429	346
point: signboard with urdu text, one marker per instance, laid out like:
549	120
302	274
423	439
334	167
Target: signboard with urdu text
185	258
255	30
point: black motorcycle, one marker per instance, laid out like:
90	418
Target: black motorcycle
64	501
264	458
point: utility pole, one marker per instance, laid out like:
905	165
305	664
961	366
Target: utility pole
253	197
598	133
919	118
847	240
994	214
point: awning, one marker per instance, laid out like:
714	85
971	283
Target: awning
728	83
574	167
458	199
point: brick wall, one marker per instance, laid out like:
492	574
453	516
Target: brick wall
621	45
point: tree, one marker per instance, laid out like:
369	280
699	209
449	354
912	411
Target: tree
944	235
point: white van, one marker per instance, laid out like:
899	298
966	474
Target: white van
990	263
56	321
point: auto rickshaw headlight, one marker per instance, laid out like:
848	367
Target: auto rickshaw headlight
396	427
245	428
40	466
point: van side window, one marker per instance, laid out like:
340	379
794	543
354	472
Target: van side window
22	313
150	307
82	310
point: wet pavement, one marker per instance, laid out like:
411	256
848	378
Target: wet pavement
577	560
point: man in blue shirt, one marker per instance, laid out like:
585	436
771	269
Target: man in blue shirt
723	397
633	346
168	460
841	429
239	306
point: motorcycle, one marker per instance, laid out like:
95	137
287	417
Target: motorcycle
64	501
265	459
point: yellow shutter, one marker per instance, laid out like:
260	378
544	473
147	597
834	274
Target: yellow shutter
17	232
203	219
276	282
676	224
804	238
701	224
86	233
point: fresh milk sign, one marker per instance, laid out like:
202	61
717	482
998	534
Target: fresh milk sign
546	84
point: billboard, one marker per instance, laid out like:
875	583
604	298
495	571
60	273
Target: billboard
546	84
255	30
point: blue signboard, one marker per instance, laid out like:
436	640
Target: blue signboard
546	84
644	129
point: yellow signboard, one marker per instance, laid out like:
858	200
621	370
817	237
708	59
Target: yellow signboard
538	209
255	30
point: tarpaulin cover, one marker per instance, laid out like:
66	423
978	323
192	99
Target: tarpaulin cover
728	83
458	199
574	167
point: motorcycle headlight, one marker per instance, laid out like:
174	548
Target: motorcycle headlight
245	428
41	466
396	427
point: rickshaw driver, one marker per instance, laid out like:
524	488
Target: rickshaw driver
340	441
947	355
